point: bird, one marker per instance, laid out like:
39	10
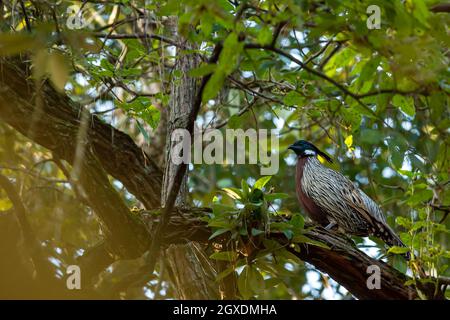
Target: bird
333	201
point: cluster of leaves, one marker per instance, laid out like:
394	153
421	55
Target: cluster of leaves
423	231
243	232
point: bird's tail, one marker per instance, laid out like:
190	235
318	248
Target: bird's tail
391	239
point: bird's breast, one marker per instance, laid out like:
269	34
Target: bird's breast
313	210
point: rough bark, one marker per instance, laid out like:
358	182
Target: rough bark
191	273
56	126
182	95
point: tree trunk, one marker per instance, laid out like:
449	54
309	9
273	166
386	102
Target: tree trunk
192	274
191	271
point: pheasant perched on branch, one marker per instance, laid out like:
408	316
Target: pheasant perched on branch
333	201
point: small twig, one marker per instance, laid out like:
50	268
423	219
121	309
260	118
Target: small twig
318	53
253	92
27	21
240	113
332	53
445	209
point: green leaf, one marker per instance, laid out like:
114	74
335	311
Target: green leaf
272	282
419	224
293	98
245	189
281	226
289	256
203	70
229	57
398	250
220	209
304	239
235	121
151	115
297	221
419	197
352	116
244	284
224	273
261	182
213	85
404	222
256	232
142	107
288	233
218	233
370	136
220	223
143	131
250	282
265	36
406	104
233	193
273	196
256	280
420	12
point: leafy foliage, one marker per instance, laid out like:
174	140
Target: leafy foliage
246	246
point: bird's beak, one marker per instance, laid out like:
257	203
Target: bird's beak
293	147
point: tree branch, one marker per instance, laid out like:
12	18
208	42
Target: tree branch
345	263
56	129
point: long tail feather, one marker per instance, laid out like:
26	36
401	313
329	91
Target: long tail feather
390	238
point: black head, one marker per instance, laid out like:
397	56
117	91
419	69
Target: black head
306	149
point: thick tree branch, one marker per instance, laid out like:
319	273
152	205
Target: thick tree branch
56	126
440	7
344	263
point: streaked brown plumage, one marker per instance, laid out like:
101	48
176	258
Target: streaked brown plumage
332	200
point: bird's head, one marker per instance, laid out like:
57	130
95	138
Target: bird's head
306	149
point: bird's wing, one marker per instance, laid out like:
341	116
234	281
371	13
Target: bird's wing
364	205
346	194
335	193
358	200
